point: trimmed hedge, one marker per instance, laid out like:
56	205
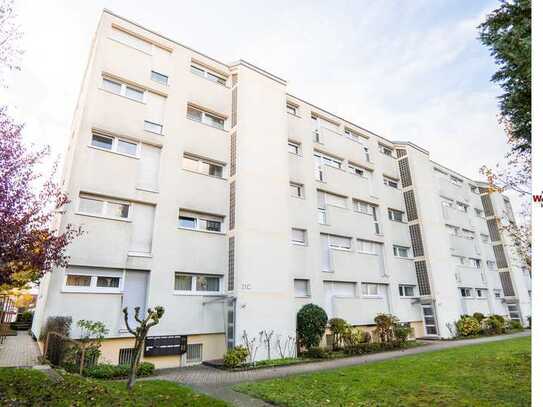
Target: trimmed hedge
107	371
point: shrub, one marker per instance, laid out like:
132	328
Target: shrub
468	326
401	332
310	325
108	371
385	327
317	353
338	327
25	316
493	325
515	325
235	357
354	336
56	346
478	316
498	317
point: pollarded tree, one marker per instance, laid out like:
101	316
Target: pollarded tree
30	245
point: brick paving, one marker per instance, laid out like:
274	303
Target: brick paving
218	383
19	351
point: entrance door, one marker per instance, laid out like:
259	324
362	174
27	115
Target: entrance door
134	295
430	324
514	312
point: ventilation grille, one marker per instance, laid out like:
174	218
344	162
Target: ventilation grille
507	284
233	153
234	107
416	240
493	230
194	352
487	205
410	205
405	173
232	212
499	253
422	277
125	356
231	258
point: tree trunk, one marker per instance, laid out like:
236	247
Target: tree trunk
134	364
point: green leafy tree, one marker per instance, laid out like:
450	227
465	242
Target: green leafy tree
310	326
507	32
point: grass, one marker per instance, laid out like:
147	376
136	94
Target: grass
492	374
27	387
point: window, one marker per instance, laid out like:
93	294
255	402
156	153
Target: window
446	202
406	290
491	265
207	74
203	166
200	221
456	181
339	242
82	279
468	234
353	135
479	212
356	170
452	230
301	288
323	159
194	352
291	109
485	238
294	148
152	127
368	209
395	215
160	78
297	236
462	207
96	206
367	154
481	292
474	189
197	283
296	190
475	263
368	247
498	293
335	200
386	150
401	251
205	118
370	290
458	260
390	182
465	292
122	89
441	173
131	40
115	144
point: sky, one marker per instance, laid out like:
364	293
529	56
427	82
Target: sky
406	70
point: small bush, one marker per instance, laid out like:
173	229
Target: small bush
25	316
385	327
478	316
493	325
401	332
354	336
235	357
468	326
310	325
108	371
515	325
317	353
338	328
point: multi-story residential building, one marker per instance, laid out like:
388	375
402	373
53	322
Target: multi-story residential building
206	188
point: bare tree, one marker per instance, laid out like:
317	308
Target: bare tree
251	346
285	347
10	35
267	337
140	333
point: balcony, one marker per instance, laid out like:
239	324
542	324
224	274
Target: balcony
338	144
461	246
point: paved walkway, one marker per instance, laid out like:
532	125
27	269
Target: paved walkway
19	351
217	383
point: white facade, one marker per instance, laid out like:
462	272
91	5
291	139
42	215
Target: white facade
208	189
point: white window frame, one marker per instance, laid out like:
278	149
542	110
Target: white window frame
336	247
115	145
392	215
160	75
401	290
485	238
201	221
462	207
291	109
298	242
103	212
497	293
327	198
468	290
396	251
203	115
200	346
202	162
307	285
454	229
483	292
474	263
93	288
479	213
388	181
353	168
491	265
366	292
374	245
328	160
208	74
148	129
456	181
193	291
299	187
461	260
297	146
373	212
123	91
387	151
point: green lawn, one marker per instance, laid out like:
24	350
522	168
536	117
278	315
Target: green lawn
27	387
493	374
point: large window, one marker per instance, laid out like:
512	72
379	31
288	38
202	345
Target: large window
298	236
401	251
391	182
339	242
301	288
208	74
205	117
115	144
368	209
200	221
320	160
203	166
197	283
406	290
395	215
102	207
466	292
79	279
370	290
123	89
368	247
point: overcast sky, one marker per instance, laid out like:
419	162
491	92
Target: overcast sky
407	70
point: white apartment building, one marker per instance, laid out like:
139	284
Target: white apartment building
206	188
